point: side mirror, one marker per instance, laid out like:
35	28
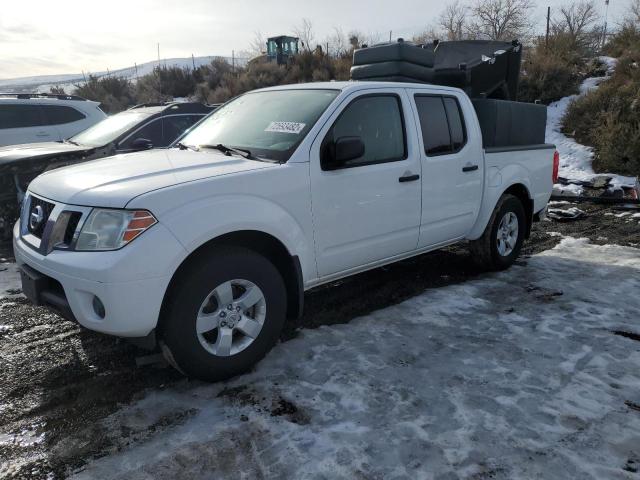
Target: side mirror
341	151
141	144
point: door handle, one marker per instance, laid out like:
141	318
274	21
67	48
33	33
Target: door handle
469	168
409	178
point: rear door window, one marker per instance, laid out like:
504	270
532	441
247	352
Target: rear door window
60	114
20	116
434	125
441	123
456	124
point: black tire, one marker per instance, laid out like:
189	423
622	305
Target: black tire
392	69
179	339
485	251
395	52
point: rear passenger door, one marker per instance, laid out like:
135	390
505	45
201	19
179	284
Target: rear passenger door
452	168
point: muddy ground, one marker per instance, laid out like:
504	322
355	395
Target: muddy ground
57	381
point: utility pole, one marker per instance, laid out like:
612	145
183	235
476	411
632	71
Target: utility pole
390	33
546	38
193	62
159	77
233	61
604	30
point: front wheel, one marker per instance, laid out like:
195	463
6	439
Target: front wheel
225	313
500	244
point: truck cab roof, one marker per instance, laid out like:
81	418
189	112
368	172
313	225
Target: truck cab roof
355	85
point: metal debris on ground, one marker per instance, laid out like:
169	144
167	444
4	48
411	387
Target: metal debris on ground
600	189
565	215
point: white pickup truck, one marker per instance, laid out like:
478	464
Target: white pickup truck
209	246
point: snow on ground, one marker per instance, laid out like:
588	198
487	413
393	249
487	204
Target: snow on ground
514	375
9	280
575	159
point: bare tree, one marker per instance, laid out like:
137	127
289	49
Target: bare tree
428	35
372	38
305	33
500	19
338	43
578	22
357	39
453	20
258	44
634	11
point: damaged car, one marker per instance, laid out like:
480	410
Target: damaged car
142	127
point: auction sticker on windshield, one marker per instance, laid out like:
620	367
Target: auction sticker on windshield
285	127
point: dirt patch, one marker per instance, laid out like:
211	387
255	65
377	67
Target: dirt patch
274	404
58	382
631	335
632	405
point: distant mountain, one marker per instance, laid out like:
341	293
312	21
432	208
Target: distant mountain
42	83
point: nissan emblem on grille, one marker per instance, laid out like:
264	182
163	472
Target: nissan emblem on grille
36	217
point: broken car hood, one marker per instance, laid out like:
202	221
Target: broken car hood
114	181
15	154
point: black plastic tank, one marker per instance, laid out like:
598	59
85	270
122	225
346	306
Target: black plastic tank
482	68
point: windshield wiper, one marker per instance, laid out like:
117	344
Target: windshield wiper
182	146
229	150
72	142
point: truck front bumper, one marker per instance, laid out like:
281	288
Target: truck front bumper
112	292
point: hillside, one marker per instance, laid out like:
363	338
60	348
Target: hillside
42	83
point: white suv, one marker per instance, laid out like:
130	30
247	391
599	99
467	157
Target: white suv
31	118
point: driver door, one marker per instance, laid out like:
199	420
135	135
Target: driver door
367	209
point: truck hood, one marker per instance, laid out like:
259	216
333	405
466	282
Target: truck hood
14	154
114	181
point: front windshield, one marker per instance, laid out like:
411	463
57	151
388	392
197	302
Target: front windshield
109	129
270	124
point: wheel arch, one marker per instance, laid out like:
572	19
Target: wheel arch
260	242
492	196
521	192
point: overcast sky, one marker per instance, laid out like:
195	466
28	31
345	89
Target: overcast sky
39	37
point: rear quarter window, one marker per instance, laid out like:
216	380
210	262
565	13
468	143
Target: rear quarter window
60	114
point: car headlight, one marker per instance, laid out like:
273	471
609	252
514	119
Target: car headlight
107	229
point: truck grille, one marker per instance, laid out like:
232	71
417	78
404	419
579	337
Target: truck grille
39	212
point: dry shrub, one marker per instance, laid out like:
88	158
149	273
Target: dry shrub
550	71
608	119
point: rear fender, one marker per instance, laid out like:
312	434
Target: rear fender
497	182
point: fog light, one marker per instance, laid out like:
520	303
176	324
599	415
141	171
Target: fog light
98	307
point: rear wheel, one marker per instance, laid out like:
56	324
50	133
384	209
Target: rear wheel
500	244
225	313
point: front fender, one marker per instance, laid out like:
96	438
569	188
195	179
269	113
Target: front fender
198	222
497	181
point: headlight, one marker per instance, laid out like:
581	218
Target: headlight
107	229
